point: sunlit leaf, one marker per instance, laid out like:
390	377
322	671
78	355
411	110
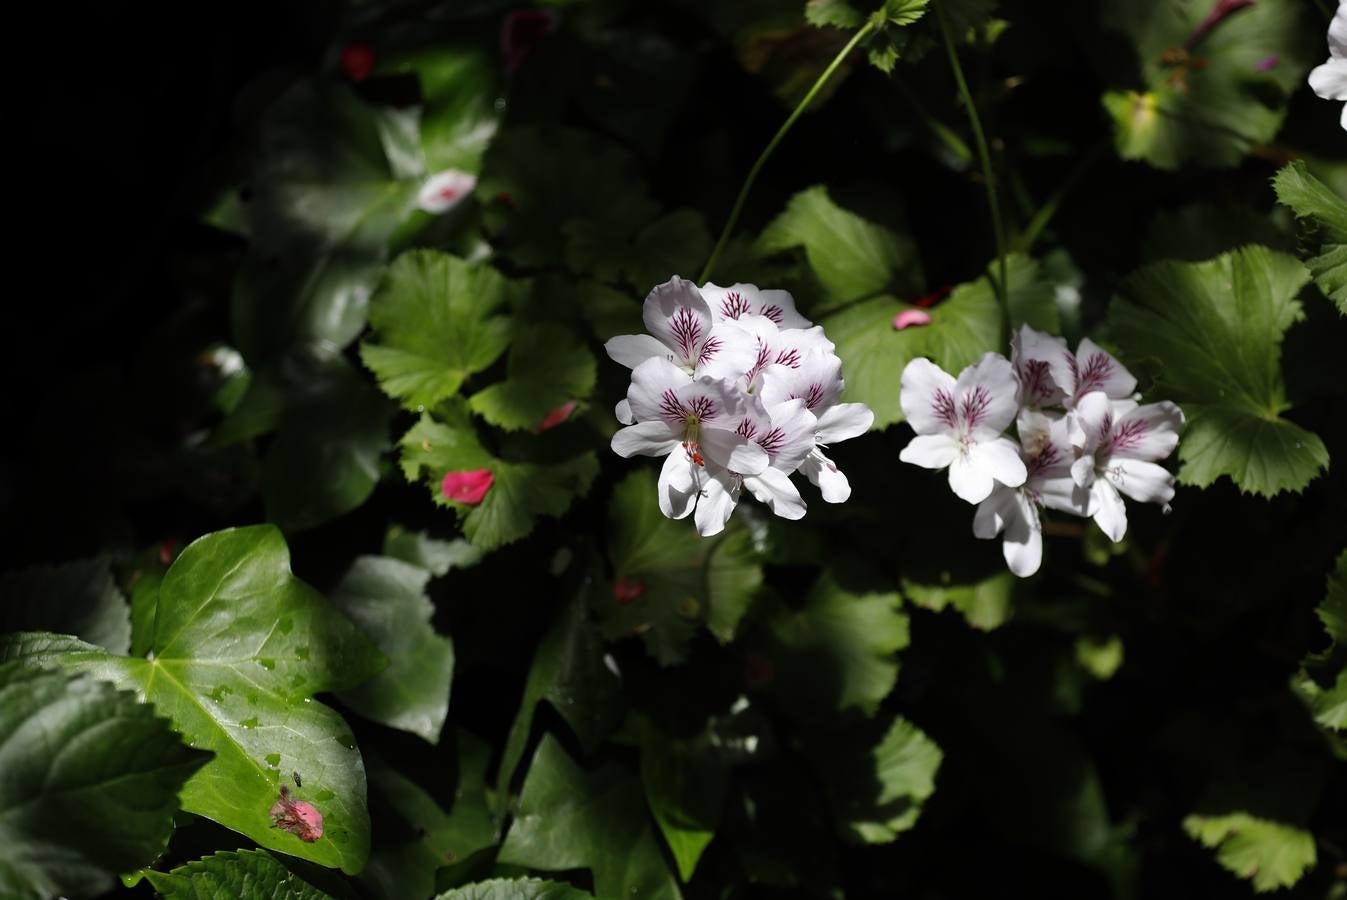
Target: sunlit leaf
234	875
1324	220
1269	854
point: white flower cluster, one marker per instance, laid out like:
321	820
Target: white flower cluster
1083	440
1330	80
736	390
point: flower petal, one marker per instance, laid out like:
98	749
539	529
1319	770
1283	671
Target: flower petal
1142	481
729	352
677	314
831	481
986	396
1147	432
1110	514
720	494
1330	80
1001	458
733	451
631	350
746	299
443	191
1082	471
1091	422
651	383
817	380
644	439
968	480
1022	546
927	397
789	437
1063	494
930	451
678	484
774	489
1043	365
843	422
623	412
994	512
1096	370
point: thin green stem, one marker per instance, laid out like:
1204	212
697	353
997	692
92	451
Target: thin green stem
984	156
1045	212
771	145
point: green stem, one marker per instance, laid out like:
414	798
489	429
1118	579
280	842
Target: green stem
771	145
984	156
1045	212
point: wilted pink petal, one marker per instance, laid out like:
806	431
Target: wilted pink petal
443	191
300	818
1267	63
523	30
909	317
556	416
626	590
357	60
468	486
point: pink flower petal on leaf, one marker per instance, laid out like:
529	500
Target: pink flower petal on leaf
468	486
910	317
556	416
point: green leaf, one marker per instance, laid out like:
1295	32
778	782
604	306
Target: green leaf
1269	854
835	653
437	323
903	12
326	198
567	672
1322	680
435	556
324	462
852	258
40	647
1210	334
569	818
986	604
879	778
234	875
437	839
78	598
240	647
387	599
667	579
837	13
553	178
963	327
90	786
1324	217
519	494
685	785
639	253
515	889
1208	105
459	84
548	366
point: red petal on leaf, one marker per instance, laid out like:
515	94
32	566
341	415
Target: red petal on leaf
299	817
934	297
468	487
556	416
909	317
357	60
626	590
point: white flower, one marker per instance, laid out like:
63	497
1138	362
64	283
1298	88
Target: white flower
683	332
779	347
1116	444
1051	375
690	422
959	424
786	433
740	300
1045	447
1330	80
443	191
817	380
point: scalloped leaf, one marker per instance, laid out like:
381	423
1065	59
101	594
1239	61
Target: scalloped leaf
1323	217
234	875
1269	854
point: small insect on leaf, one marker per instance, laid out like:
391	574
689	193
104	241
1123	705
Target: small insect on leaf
298	783
299	817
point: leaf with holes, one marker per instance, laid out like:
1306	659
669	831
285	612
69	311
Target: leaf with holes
240	646
90	786
1209	334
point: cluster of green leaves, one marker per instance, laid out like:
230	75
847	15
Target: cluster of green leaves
856	704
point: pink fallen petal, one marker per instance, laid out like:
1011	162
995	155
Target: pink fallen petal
357	61
556	416
627	589
443	191
299	817
468	487
1266	64
910	317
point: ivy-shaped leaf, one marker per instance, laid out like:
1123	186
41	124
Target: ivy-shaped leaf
878	779
515	889
547	367
234	875
520	492
851	258
90	786
569	818
78	598
1269	854
1210	334
437	322
962	328
685	783
667	580
1324	225
386	598
835	653
1208	96
240	647
567	672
